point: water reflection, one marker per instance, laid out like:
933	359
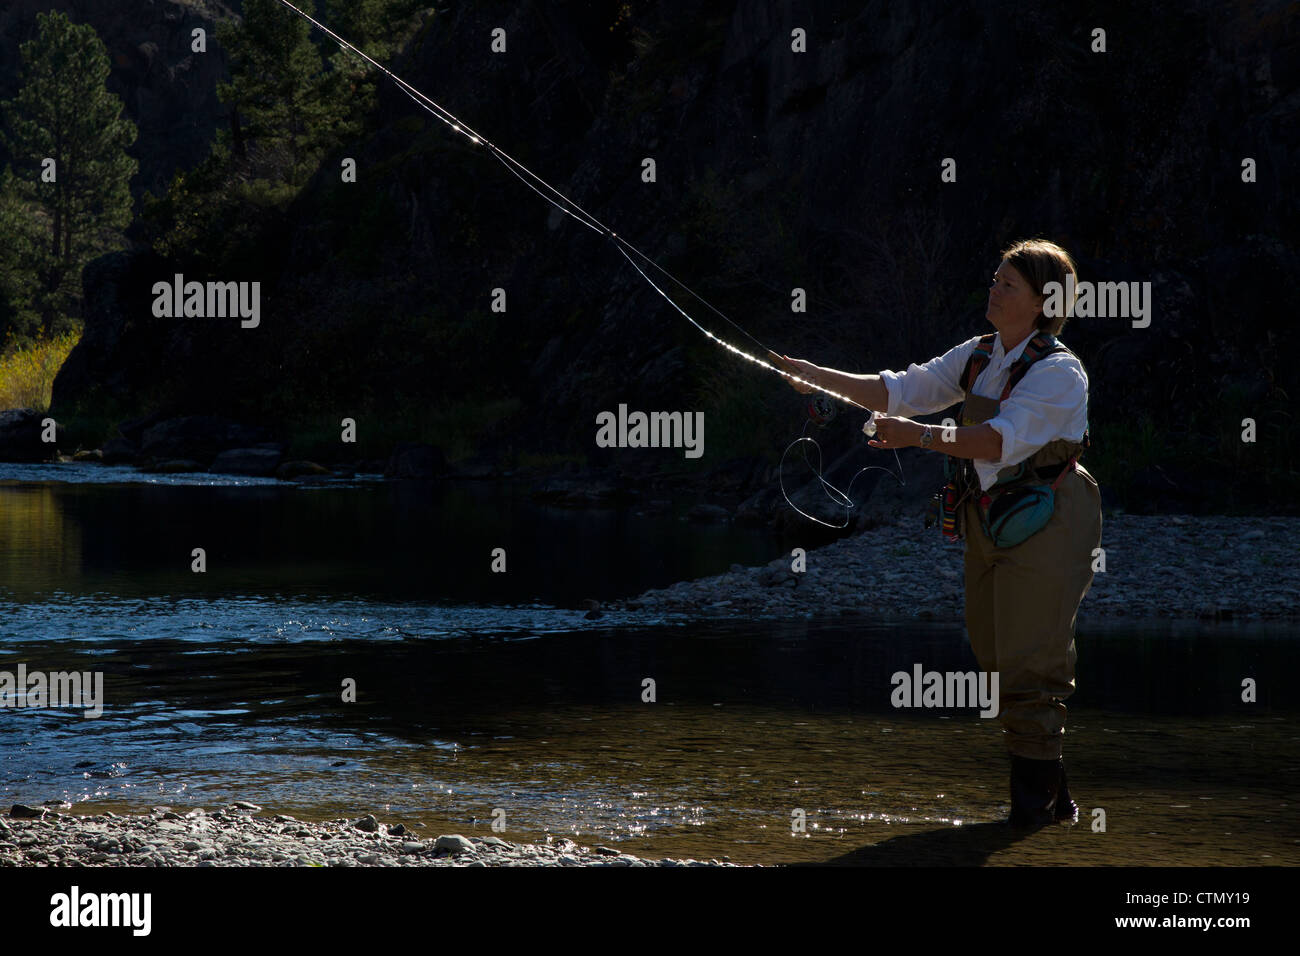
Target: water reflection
396	541
38	544
753	722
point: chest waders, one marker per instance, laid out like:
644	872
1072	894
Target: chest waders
1021	501
1022	599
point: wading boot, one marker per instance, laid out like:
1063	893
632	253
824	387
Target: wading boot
1067	811
1035	787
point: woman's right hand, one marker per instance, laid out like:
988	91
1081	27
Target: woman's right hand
805	370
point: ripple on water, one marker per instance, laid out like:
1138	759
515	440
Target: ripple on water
555	734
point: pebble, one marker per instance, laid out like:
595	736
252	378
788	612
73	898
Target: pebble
1156	566
245	839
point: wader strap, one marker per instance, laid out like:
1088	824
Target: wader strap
1068	467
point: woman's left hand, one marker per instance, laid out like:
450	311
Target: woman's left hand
892	432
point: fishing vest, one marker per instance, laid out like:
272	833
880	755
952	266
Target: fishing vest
1046	463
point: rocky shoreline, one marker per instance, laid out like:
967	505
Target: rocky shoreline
238	836
1156	566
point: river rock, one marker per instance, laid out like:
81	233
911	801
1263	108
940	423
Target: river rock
761	508
119	451
737	475
367	824
290	470
20	437
415	460
705	513
579	492
779	576
255	462
453	843
133	429
201	437
176	467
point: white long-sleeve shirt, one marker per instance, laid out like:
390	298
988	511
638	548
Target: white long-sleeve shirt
1050	402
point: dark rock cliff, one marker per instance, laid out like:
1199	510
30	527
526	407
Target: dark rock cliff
776	170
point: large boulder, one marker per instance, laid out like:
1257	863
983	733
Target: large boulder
120	451
199	437
20	437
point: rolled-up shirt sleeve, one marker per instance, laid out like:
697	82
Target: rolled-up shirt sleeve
1049	402
931	387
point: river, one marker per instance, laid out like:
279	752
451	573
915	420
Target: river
483	696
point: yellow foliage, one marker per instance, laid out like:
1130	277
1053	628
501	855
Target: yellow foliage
27	373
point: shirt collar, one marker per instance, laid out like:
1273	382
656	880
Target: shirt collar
1014	353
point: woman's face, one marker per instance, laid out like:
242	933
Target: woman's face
1013	305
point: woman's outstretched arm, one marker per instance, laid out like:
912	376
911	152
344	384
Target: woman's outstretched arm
866	390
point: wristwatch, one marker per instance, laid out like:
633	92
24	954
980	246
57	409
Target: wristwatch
927	437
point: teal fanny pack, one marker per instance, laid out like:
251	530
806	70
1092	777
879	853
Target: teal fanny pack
1017	512
1012	516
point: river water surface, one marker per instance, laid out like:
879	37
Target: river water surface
483	696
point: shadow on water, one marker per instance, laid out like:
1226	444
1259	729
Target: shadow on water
971	845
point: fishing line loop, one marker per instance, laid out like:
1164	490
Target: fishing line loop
842	499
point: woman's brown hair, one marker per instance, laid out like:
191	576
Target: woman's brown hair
1041	261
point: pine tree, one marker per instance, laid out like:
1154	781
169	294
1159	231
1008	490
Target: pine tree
69	191
287	109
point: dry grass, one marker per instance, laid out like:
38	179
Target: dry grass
27	372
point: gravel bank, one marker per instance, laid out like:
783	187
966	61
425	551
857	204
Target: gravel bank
238	836
1170	566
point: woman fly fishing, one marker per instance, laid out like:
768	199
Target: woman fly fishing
1029	514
